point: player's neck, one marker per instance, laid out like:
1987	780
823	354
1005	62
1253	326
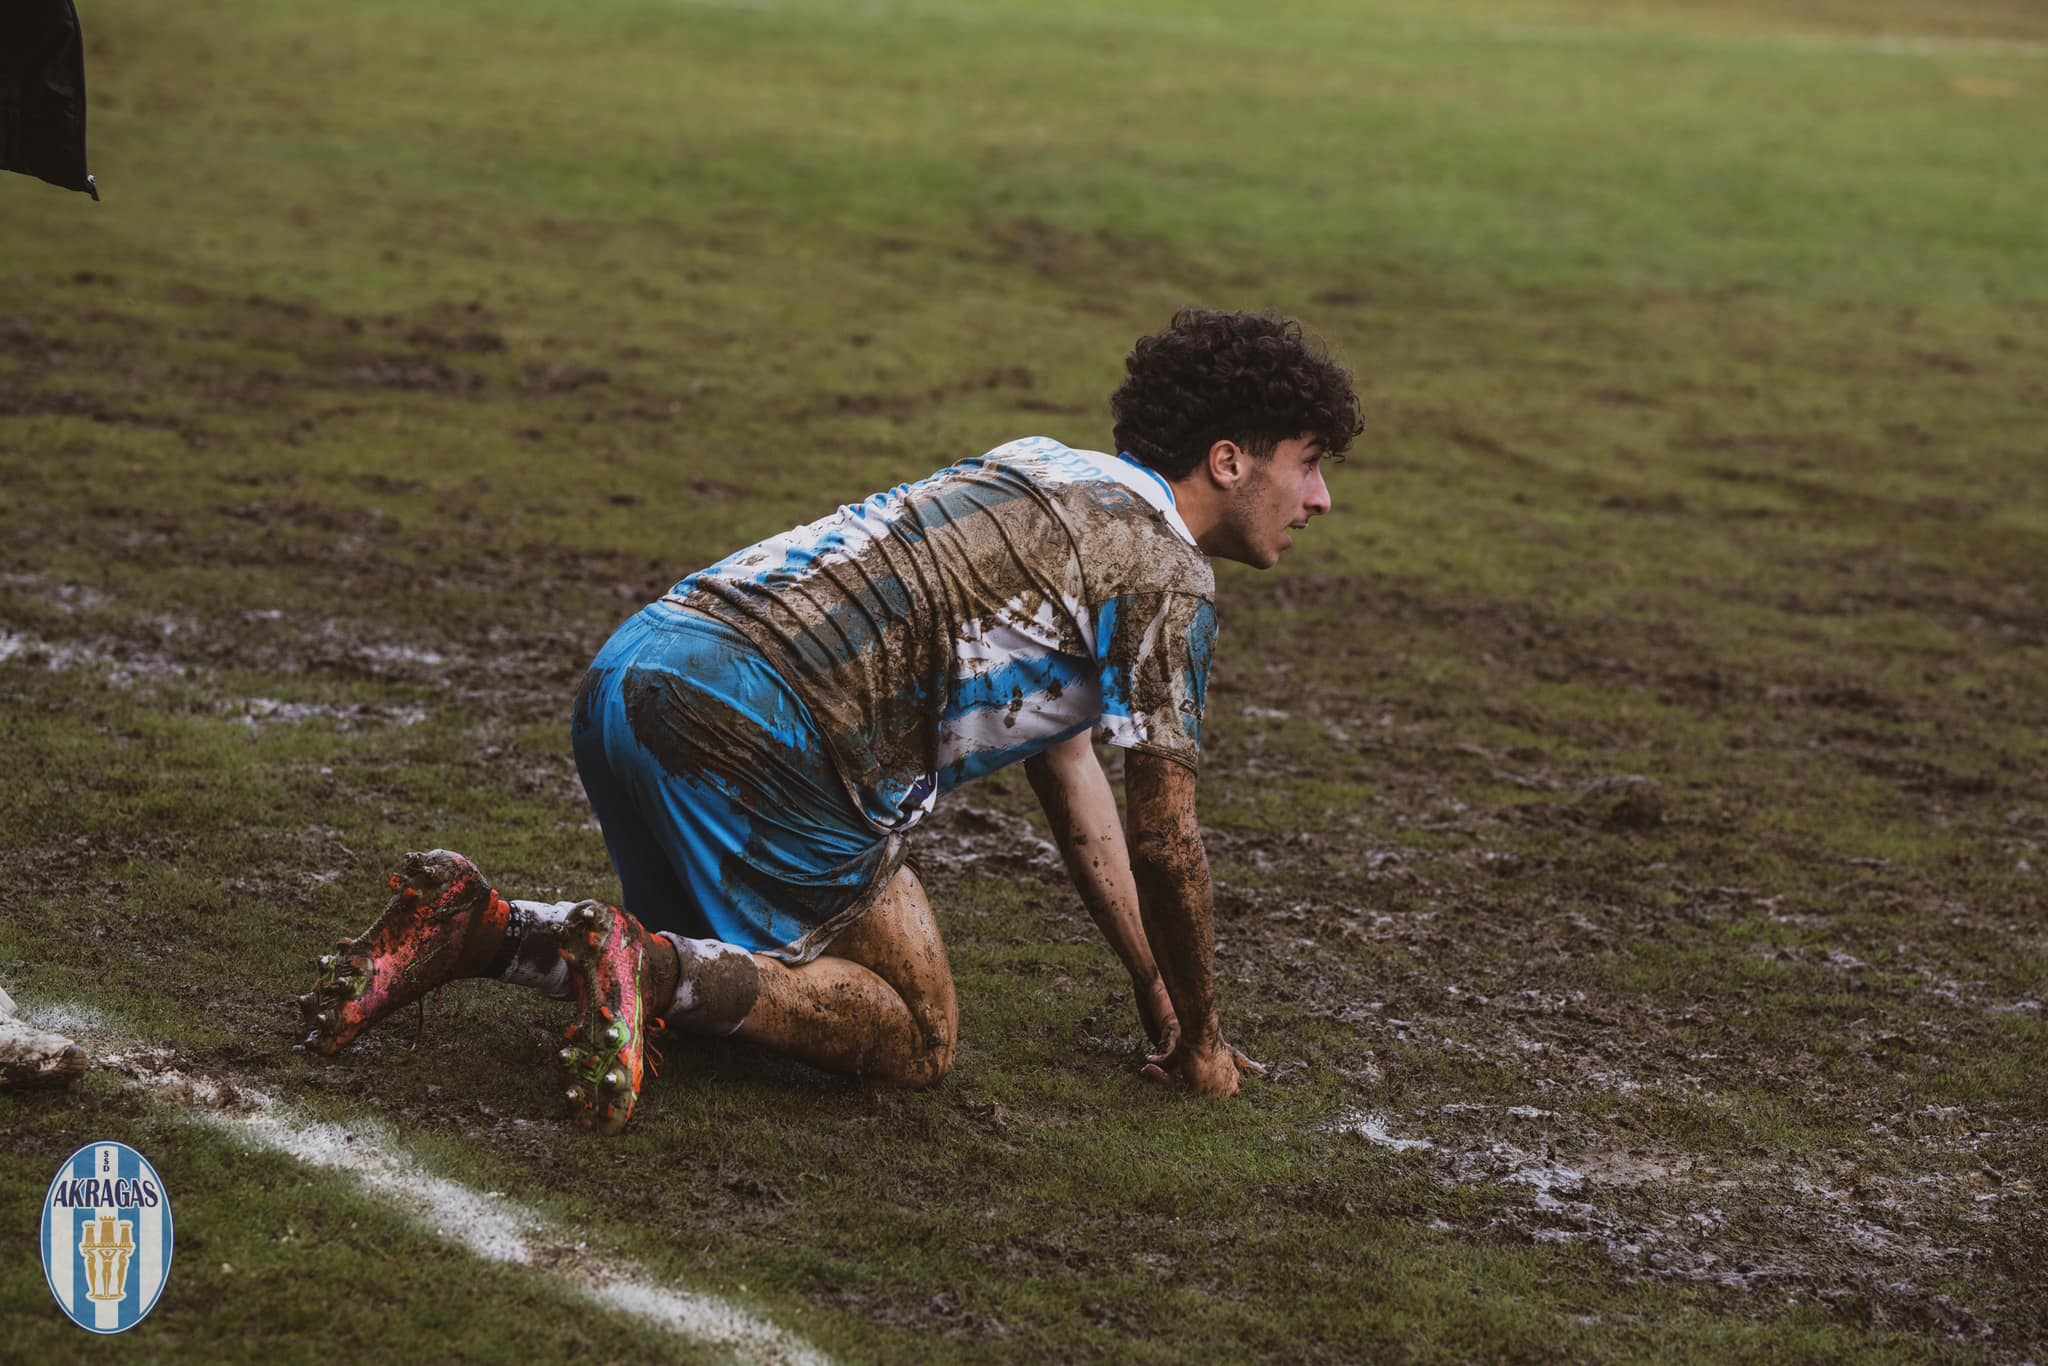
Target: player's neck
1201	505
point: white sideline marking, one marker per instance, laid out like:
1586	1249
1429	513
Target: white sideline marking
488	1225
1517	35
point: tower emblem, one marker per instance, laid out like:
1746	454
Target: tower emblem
108	1246
107	1237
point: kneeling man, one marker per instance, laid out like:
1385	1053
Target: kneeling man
758	743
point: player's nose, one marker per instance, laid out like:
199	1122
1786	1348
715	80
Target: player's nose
1318	501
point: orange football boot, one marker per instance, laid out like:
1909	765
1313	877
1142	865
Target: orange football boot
444	922
605	1050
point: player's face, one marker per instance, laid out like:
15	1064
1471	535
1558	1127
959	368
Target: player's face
1275	500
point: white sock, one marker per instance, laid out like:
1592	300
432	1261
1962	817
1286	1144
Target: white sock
716	985
534	930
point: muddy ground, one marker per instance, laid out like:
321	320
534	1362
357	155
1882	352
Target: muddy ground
1583	1003
1628	811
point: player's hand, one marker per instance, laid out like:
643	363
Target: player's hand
1213	1070
1155	1012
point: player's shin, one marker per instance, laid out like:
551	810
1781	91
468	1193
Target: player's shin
716	985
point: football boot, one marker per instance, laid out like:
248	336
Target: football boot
605	1051
444	921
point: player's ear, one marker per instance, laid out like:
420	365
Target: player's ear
1228	464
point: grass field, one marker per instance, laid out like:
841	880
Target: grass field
1629	811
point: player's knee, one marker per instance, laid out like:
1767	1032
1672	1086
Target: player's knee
922	1072
915	1070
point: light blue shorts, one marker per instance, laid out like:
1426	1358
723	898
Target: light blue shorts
721	808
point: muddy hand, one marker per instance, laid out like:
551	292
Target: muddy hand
1211	1071
1156	1014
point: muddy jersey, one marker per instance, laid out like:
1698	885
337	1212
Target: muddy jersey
950	627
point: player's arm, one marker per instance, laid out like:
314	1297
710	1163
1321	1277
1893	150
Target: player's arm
1081	809
1175	904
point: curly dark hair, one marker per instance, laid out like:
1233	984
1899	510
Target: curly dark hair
1253	378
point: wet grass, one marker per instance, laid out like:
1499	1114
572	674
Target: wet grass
271	1258
1642	771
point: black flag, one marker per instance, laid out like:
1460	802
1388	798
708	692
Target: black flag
42	93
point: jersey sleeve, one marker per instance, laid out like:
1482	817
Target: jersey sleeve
1153	651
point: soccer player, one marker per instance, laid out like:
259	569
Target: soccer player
758	743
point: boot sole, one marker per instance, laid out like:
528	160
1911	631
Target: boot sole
344	975
594	1057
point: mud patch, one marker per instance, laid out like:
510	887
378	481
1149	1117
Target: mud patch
123	666
140	652
118	665
959	836
1859	1240
259	713
170	1079
1373	1129
1102	268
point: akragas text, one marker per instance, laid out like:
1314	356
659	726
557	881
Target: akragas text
93	1192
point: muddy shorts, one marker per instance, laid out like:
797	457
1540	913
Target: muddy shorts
720	805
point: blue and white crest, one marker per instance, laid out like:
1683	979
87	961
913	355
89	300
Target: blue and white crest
107	1237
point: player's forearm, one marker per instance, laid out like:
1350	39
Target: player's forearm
1175	898
1174	903
1081	810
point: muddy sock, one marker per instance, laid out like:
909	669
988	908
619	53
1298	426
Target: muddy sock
532	956
664	966
716	984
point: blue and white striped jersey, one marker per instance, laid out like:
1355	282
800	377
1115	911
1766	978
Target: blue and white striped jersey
947	628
